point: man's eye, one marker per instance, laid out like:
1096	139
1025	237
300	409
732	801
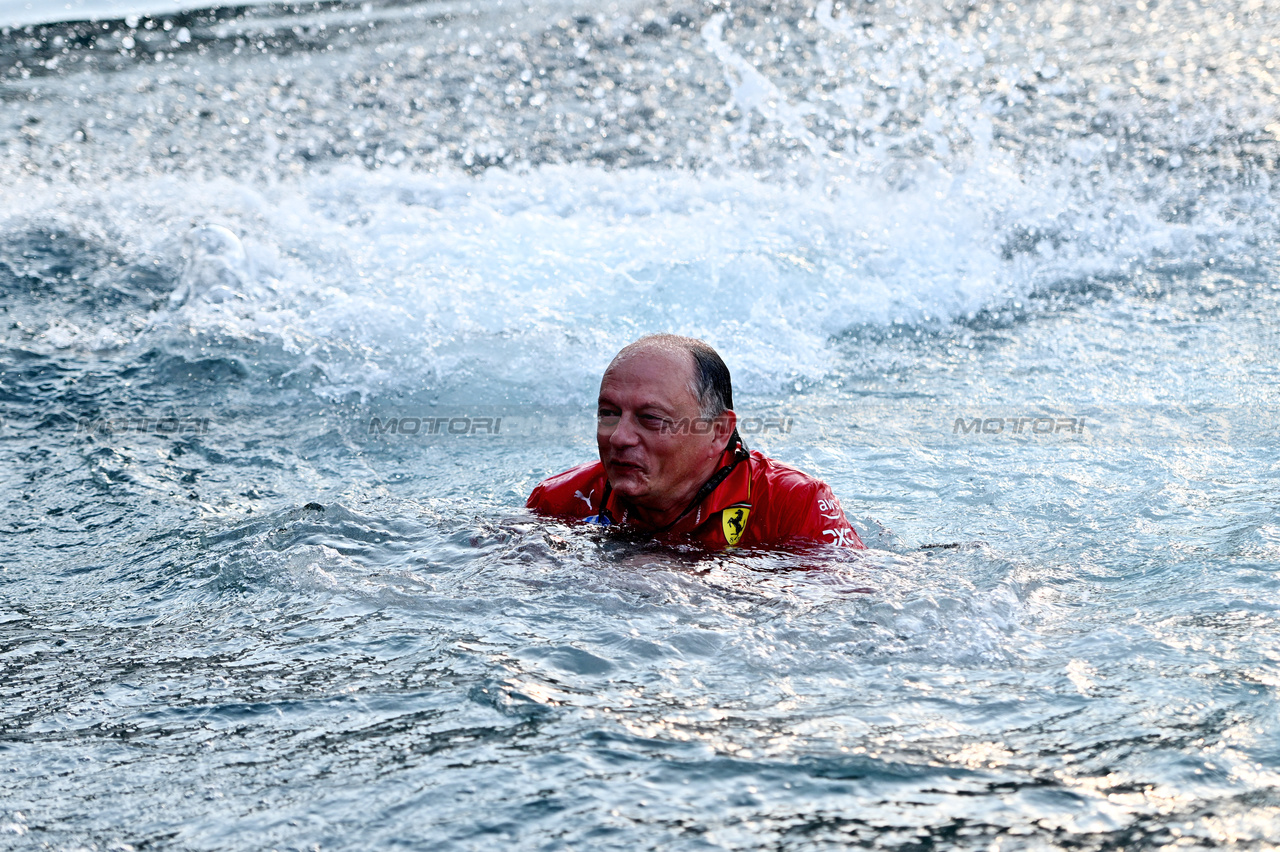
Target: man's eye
607	418
652	421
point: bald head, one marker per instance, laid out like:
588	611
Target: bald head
708	377
662	424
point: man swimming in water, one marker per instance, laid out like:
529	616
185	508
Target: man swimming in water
672	463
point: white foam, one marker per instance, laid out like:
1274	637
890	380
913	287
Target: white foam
527	282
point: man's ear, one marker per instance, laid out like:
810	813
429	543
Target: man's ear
722	427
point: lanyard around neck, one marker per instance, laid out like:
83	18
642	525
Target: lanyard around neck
740	454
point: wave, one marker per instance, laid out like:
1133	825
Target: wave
392	280
910	172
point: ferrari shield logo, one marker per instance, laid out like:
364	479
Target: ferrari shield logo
734	522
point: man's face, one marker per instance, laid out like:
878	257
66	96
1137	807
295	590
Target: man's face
656	449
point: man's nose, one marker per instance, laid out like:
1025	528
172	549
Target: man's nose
625	433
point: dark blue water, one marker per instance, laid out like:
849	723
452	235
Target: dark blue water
1006	277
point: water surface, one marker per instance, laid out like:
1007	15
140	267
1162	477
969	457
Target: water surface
237	611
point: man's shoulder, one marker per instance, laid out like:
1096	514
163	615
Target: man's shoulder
795	504
564	493
580	473
782	477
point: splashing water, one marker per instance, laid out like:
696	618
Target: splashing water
1004	275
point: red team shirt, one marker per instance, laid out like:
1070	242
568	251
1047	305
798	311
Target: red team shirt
762	503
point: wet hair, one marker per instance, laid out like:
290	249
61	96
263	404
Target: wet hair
710	382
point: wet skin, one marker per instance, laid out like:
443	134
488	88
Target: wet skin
656	450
